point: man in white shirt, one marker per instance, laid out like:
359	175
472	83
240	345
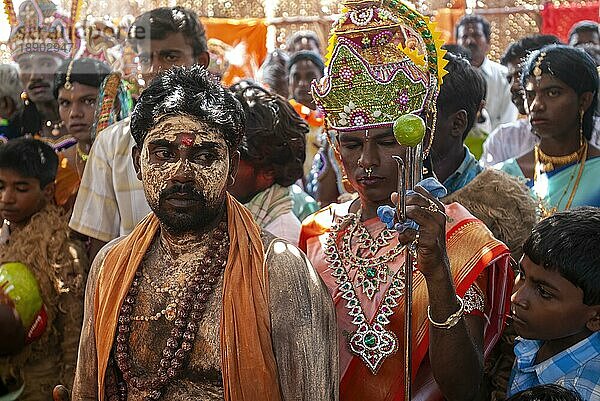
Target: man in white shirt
473	32
111	201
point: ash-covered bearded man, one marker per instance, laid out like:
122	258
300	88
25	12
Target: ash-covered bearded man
197	303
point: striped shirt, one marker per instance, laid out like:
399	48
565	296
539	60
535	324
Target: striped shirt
576	368
111	199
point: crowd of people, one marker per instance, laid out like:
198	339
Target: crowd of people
200	242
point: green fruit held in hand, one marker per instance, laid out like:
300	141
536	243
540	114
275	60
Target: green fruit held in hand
409	130
22	288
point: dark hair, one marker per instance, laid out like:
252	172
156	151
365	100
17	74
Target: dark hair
299	35
546	392
275	134
163	21
458	50
30	158
193	92
584	26
475	19
313	57
572	66
274	72
593	51
567	242
463	88
86	71
520	49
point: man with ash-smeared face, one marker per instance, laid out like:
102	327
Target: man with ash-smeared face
197	302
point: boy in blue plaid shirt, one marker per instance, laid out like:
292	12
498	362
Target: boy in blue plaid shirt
556	305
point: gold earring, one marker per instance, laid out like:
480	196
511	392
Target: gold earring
68	84
25	98
581	137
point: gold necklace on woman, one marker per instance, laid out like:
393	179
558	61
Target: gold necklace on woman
538	167
549	163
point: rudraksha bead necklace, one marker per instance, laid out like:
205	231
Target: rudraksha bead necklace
175	355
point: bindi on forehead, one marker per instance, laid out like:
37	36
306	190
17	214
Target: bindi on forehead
188	140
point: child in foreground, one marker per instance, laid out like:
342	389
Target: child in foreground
556	305
34	232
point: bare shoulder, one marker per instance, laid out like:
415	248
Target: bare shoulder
287	265
98	262
303	325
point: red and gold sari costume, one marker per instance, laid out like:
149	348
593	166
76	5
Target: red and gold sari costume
477	260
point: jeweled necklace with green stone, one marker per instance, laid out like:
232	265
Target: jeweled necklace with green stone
372	270
371	342
365	241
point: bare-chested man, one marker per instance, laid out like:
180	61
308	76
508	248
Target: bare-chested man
197	303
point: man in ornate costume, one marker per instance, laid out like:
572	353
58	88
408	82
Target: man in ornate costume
35	233
197	303
384	62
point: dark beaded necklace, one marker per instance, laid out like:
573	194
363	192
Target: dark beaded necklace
189	314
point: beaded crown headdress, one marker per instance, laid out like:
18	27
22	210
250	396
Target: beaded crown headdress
384	60
40	28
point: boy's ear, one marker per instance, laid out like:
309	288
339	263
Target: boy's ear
459	123
593	324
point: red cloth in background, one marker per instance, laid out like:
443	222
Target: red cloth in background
557	20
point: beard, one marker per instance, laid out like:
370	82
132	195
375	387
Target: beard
191	219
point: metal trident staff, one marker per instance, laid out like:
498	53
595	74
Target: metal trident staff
410	172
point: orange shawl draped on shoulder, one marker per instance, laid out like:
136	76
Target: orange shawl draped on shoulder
472	251
247	361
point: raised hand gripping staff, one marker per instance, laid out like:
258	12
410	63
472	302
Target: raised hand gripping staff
409	131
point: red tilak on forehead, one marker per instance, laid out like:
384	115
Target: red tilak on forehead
187	140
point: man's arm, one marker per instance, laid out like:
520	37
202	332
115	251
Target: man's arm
85	386
455	353
74	275
304	332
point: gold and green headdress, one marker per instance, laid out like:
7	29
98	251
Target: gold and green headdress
384	61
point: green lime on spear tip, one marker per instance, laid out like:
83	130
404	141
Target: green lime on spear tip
409	130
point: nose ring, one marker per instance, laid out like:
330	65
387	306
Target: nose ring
369	171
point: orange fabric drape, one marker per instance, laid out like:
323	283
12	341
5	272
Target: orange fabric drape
446	19
247	361
67	181
250	33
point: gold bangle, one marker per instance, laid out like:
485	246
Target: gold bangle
452	319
